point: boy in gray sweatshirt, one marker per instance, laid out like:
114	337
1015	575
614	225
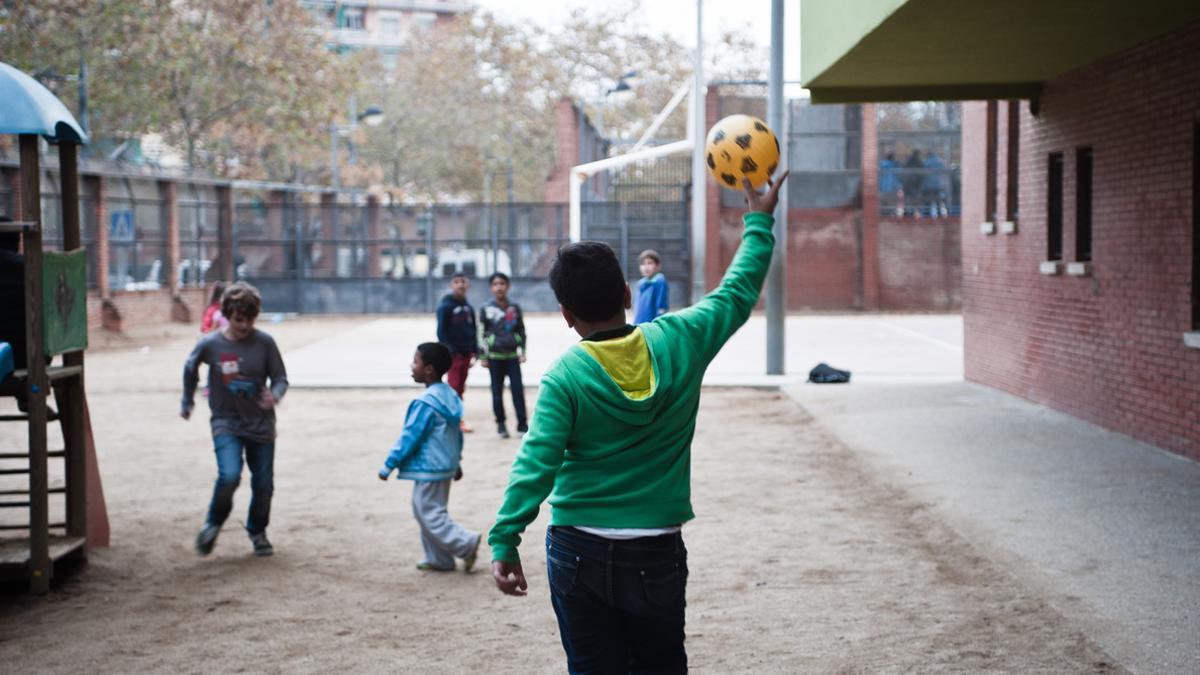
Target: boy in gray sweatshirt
241	360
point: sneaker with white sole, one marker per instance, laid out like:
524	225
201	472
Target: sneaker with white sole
207	538
262	547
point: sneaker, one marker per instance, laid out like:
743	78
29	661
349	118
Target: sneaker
262	547
522	429
502	431
462	425
428	567
469	560
207	538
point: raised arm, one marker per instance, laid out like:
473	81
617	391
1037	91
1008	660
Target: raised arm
710	322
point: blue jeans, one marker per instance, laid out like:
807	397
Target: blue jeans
620	604
499	369
260	457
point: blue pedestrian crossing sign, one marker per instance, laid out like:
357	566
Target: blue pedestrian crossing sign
120	226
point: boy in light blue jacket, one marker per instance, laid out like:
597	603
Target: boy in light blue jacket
428	453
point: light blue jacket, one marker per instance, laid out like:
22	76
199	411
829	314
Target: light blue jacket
430	446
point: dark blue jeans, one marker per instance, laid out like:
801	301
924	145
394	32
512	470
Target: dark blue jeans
499	368
260	457
620	604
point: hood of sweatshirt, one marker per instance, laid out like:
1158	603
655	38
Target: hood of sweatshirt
444	401
628	378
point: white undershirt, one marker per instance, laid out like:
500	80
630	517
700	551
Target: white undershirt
628	532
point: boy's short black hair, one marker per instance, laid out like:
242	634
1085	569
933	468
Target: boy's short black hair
459	275
651	254
437	355
588	281
499	275
241	298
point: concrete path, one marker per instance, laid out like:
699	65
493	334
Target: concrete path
1105	527
876	348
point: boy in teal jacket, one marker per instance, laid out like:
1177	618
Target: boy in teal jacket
610	444
428	453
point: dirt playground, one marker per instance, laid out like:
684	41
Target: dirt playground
802	559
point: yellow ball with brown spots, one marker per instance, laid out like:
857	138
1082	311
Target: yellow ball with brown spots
741	145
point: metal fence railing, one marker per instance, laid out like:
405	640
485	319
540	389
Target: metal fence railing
341	257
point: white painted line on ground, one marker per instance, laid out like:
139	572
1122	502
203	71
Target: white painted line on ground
921	336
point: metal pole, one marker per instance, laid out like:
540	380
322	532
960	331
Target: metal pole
777	275
299	225
699	171
512	214
487	211
429	260
83	85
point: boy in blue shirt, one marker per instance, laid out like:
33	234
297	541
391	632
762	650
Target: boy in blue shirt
652	293
428	453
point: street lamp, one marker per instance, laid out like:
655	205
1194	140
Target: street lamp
622	92
372	117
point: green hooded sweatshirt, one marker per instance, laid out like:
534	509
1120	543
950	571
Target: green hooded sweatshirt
610	440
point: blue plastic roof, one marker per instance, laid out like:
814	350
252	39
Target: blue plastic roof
26	107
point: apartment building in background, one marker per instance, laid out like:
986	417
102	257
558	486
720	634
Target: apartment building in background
383	25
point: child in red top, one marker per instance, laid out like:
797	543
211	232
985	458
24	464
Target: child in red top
213	319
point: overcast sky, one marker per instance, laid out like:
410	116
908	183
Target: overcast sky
677	18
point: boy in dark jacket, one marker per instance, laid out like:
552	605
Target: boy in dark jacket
503	351
456	330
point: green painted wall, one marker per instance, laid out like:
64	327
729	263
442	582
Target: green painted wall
830	28
932	49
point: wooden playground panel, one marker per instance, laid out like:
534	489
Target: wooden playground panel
55	293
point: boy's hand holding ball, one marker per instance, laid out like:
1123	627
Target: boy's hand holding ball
764	202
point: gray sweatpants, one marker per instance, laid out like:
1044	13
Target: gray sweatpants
441	537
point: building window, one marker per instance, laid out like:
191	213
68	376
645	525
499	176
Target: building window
989	173
352	19
1083	204
424	20
389	23
919	149
1011	210
825	147
1054	207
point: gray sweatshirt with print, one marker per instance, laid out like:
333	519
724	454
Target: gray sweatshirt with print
237	374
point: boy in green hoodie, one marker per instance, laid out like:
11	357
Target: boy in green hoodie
610	444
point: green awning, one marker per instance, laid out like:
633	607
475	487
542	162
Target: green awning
915	50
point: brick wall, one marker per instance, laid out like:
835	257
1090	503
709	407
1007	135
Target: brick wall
919	264
566	152
1107	348
850	258
917	260
144	309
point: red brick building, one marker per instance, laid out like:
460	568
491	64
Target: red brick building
1080	225
853	243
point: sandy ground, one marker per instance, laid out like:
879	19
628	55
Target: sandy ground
802	559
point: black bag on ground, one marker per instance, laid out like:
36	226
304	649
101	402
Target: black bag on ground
824	373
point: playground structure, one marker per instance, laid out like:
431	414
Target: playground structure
55	292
